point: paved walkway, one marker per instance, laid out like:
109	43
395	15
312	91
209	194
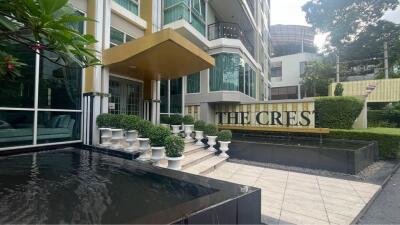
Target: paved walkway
297	198
386	208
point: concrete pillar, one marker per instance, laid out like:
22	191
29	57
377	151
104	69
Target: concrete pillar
207	112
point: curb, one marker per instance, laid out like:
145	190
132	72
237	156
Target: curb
356	220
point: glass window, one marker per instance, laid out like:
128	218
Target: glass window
19	91
176	96
281	93
253	82
128	38
130	5
16	128
116	37
60	87
180	9
164	96
115	99
303	66
58	126
241	79
193	83
276	71
225	75
247	79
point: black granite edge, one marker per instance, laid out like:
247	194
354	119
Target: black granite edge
34	149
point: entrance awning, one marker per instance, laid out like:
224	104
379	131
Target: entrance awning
158	56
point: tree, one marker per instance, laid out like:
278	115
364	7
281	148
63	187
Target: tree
339	89
317	78
45	27
345	19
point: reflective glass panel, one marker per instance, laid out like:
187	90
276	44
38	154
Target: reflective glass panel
58	126
16	128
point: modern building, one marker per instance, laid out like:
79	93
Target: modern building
293	47
158	57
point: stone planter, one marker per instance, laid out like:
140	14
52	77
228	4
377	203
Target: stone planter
131	138
199	136
176	129
174	163
211	142
144	146
117	137
188	131
224	147
105	135
157	153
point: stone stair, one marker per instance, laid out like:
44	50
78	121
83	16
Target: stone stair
198	160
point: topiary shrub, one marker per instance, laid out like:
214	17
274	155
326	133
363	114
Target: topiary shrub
105	120
199	125
117	121
225	135
175	119
337	112
130	122
157	135
211	130
339	89
174	146
164	119
144	127
188	120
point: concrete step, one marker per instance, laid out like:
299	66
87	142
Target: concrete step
191	148
195	158
188	141
206	166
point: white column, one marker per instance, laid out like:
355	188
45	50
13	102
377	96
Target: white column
154	101
183	94
386	56
158	102
105	76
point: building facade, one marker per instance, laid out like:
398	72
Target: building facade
293	48
158	57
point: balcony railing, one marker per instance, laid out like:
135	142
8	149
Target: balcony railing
230	31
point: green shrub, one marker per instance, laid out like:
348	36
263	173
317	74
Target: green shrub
174	146
105	120
388	139
339	89
211	130
225	135
164	119
175	119
144	127
384	118
157	135
130	122
199	125
188	120
337	112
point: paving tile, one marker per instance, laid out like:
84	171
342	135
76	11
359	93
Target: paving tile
351	198
343	210
339	219
336	202
245	180
247	173
270	216
295	218
271	203
303	195
271	194
312	210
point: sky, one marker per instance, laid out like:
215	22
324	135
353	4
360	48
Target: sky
290	12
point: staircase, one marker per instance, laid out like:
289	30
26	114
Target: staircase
198	160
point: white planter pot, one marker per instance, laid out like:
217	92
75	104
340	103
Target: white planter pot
174	163
211	142
176	129
188	131
117	137
144	147
224	147
131	138
105	135
199	136
157	153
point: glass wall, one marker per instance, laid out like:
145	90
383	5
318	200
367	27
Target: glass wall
126	96
130	5
193	83
57	107
118	37
171	96
193	11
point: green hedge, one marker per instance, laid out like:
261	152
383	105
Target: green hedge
388	139
383	118
337	112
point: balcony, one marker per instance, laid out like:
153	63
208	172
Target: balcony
229	31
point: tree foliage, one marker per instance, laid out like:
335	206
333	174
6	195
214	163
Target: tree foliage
44	26
316	78
345	19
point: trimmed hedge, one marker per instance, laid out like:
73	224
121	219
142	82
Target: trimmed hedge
337	112
384	118
388	139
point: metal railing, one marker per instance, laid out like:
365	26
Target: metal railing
230	31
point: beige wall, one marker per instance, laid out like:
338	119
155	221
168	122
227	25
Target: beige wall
126	27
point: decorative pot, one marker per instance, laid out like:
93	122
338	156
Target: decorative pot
174	163
117	136
224	147
176	129
211	142
157	153
105	135
144	147
199	136
188	131
165	125
131	138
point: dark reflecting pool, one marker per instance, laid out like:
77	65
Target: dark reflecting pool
80	186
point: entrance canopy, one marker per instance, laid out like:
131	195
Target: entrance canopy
158	56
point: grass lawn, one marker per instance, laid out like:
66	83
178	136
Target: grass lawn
378	130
